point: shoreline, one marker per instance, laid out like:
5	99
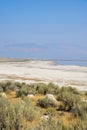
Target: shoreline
44	71
65	62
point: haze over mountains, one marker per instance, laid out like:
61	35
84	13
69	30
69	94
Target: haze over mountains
49	29
44	51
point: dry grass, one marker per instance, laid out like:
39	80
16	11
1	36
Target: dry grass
67	118
12	97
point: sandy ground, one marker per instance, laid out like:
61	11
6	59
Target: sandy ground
44	71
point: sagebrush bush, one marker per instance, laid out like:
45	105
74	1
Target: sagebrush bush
69	89
4	115
16	116
24	89
53	89
46	102
51	111
80	110
51	124
68	98
42	88
79	125
30	113
86	93
10	115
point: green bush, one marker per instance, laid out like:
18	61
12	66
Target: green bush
53	89
86	93
16	116
30	113
10	115
51	111
79	125
23	91
68	98
4	115
8	86
47	88
69	89
51	124
41	88
80	110
46	102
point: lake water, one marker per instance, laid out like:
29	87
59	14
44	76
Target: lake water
69	62
56	61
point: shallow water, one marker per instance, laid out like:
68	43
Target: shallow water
69	62
55	61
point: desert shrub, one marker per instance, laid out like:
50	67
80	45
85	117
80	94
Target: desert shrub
8	86
41	88
18	85
2	86
79	125
22	91
86	93
69	89
4	115
57	125
80	110
1	89
69	99
46	102
51	124
47	88
10	115
27	101
51	111
30	113
53	89
16	116
26	89
34	88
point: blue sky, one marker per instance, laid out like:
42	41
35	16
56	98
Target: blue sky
43	29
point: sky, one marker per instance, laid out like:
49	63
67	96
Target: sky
48	29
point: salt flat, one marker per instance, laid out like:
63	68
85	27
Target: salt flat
44	71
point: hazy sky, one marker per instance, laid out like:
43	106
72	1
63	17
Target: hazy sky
43	29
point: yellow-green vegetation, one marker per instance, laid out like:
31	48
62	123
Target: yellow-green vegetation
41	107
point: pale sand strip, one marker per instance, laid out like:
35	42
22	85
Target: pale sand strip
44	71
